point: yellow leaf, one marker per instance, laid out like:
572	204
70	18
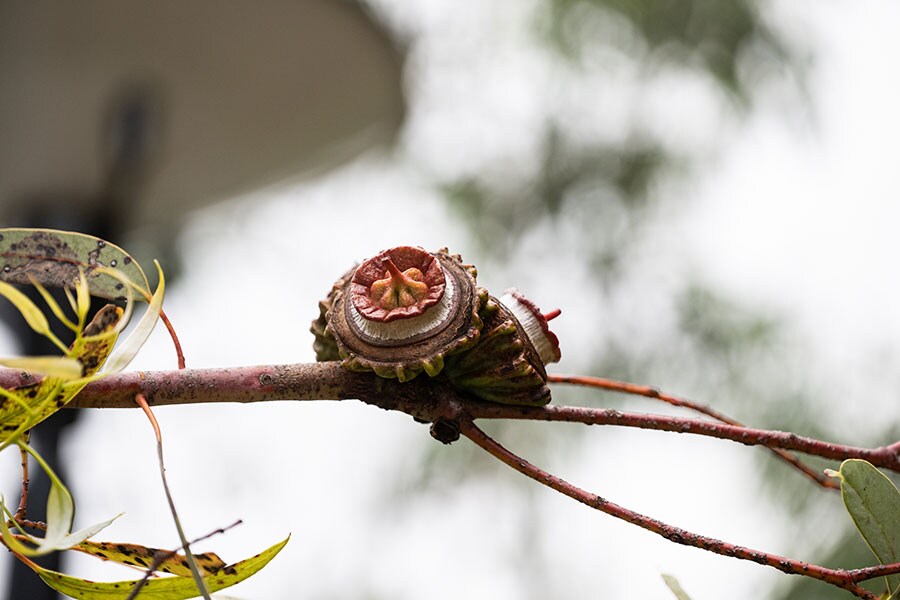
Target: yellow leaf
61	367
163	588
136	555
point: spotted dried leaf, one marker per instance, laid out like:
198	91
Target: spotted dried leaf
136	555
162	588
53	258
23	407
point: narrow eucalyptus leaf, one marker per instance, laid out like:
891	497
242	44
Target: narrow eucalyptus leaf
136	555
63	367
23	407
874	505
128	349
675	587
53	258
163	588
60	512
29	310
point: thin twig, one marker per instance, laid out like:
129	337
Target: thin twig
23	499
39	525
837	577
162	557
198	578
880	457
867	573
175	341
647	391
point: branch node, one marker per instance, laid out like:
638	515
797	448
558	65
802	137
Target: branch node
444	430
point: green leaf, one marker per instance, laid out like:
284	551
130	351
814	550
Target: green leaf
62	367
135	555
53	258
675	587
130	346
29	310
60	513
23	407
163	588
874	505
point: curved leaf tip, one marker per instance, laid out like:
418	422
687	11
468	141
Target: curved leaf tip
163	588
873	502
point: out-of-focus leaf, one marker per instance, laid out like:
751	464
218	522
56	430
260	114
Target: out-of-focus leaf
28	309
53	258
675	587
135	555
164	588
874	505
60	513
61	367
24	407
129	348
99	337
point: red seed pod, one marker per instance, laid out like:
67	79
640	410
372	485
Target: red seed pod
408	311
400	313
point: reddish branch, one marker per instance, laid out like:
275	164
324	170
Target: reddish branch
647	391
839	577
422	398
23	498
885	456
428	400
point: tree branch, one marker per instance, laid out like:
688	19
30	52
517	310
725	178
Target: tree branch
867	573
838	577
884	456
625	387
433	401
423	398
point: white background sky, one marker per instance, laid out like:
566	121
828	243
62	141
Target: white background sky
797	215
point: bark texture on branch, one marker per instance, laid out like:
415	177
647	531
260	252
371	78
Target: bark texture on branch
425	399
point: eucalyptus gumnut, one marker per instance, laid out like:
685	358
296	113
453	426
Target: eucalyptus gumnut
407	311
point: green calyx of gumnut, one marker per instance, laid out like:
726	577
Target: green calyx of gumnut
507	365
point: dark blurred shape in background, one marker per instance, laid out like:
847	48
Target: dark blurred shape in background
117	120
179	104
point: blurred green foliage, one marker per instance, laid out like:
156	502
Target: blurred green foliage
610	189
708	35
728	42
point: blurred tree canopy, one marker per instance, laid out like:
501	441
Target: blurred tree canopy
716	37
728	44
609	187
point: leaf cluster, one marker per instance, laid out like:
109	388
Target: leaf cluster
85	266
